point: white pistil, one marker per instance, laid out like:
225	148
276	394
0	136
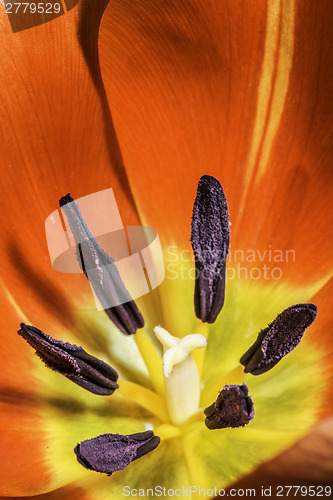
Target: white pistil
181	377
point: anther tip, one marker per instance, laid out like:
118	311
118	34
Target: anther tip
233	408
279	338
208	180
210	236
64	200
110	453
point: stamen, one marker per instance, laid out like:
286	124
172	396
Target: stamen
72	361
102	272
181	377
110	453
144	397
210	241
233	408
279	338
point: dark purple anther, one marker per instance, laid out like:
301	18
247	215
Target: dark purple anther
210	242
233	408
279	338
102	272
110	453
72	361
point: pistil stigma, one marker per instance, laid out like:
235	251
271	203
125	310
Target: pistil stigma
181	377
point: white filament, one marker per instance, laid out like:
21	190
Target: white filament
181	377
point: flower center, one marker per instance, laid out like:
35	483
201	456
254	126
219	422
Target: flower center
181	377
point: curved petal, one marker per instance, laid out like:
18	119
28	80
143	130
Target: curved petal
23	468
61	414
44	415
71	492
66	414
57	136
307	463
236	91
321	338
286	401
311	457
175	75
291	178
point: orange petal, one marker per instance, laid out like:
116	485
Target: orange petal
322	336
57	137
236	91
310	458
290	186
307	463
71	492
23	470
57	132
181	80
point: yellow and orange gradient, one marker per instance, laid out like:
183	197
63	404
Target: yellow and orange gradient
146	101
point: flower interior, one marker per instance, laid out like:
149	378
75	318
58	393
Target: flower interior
170	393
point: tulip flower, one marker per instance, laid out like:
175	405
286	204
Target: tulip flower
147	100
